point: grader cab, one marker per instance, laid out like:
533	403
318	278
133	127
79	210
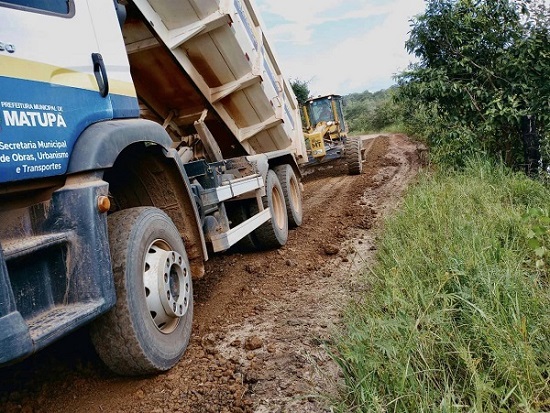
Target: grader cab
326	135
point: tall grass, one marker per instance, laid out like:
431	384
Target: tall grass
456	320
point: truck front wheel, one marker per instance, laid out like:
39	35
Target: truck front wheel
149	328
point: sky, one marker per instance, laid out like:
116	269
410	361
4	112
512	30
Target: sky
340	46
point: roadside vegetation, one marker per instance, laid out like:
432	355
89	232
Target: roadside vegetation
373	112
456	316
483	67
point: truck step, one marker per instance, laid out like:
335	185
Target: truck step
224	241
54	323
21	247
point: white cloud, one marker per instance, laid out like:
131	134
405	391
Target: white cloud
303	12
302	15
291	33
362	61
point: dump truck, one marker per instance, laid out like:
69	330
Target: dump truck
137	138
326	135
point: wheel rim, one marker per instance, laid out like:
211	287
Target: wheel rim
278	208
167	285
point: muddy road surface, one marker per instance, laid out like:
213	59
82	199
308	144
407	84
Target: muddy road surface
262	320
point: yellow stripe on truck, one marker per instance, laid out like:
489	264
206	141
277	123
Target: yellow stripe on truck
41	72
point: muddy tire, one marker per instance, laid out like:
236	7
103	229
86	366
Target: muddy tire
274	233
353	156
292	193
149	328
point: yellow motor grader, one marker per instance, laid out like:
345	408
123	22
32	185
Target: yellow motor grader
326	135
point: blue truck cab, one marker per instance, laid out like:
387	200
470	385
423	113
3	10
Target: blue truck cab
135	140
68	111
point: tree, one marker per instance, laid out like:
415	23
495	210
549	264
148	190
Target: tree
482	65
301	90
368	112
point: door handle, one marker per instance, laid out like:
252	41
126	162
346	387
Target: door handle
100	74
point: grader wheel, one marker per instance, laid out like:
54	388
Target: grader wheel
353	157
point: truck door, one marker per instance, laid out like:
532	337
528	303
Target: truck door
108	34
52	84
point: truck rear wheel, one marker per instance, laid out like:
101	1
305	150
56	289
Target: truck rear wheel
353	157
149	328
292	193
274	233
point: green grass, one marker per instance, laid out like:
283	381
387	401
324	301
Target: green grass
456	318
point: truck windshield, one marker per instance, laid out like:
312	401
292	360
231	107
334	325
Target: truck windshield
320	110
51	6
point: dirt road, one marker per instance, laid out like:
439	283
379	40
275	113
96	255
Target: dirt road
262	320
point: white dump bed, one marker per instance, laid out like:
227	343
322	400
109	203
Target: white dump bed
190	55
